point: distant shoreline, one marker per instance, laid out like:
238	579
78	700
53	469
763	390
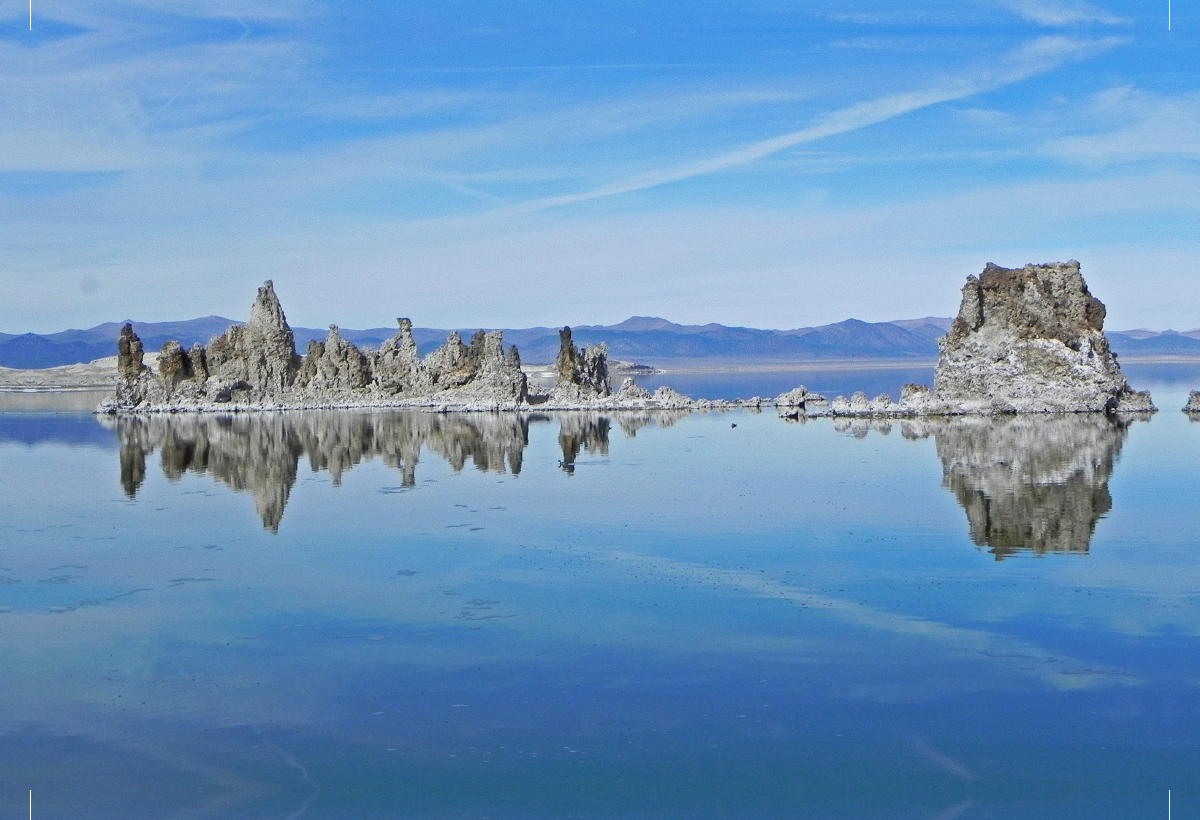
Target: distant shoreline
101	374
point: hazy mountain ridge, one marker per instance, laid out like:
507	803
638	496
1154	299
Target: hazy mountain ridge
638	337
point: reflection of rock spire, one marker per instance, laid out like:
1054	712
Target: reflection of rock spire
582	431
261	454
1037	484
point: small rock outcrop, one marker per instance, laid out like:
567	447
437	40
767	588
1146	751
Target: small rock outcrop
1031	340
334	365
129	354
582	372
1193	402
133	377
397	366
1026	340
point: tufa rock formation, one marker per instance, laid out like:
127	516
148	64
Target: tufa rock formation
259	356
1031	340
129	354
582	373
255	367
1027	340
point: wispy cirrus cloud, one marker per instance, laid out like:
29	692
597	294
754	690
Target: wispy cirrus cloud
1144	126
1030	59
1061	12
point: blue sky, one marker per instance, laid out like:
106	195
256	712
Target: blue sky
525	163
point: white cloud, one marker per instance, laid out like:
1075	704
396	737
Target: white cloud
1030	59
1058	13
1144	127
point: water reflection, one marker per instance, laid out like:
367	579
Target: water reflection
1035	484
261	454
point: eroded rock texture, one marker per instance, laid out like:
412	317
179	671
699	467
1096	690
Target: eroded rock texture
255	366
129	354
1030	340
397	369
582	372
261	354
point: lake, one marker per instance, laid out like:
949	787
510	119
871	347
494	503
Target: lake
626	615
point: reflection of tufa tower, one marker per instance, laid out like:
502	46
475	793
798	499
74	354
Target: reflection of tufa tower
1037	484
261	454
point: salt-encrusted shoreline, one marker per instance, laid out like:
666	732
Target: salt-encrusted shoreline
1026	341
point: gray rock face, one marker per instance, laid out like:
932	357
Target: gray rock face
334	365
397	366
1031	340
129	354
582	373
1027	340
261	353
255	367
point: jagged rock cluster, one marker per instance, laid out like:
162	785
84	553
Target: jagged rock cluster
1193	403
255	366
260	453
582	374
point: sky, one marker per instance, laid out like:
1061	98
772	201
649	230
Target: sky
506	163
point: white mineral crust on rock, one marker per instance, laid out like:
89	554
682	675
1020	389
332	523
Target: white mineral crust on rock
1031	341
1028	340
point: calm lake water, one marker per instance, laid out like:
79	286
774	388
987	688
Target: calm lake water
406	615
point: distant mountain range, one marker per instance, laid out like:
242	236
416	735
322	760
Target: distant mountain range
639	338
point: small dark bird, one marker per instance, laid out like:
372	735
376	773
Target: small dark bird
733	425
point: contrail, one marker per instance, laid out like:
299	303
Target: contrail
1030	59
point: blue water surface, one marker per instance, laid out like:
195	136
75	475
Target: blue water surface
726	615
